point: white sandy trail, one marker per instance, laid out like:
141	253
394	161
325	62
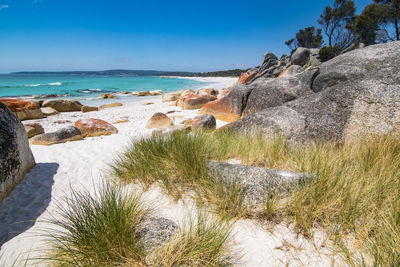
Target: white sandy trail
82	165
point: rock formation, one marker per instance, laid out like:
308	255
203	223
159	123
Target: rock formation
25	110
16	158
159	120
354	94
63	105
94	127
63	135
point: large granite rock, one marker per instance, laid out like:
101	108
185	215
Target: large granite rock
268	66
300	56
63	135
305	57
16	158
248	76
195	101
95	127
355	94
204	122
266	93
63	105
257	183
23	109
231	106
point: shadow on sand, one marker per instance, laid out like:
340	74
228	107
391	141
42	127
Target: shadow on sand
20	210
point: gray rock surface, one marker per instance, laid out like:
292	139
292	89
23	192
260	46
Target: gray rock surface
300	56
257	183
355	94
30	114
154	232
266	93
63	105
63	135
16	158
269	64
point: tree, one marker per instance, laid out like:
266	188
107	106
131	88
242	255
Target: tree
308	37
388	13
365	26
291	44
334	20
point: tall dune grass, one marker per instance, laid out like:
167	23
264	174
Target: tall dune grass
97	230
357	191
203	242
101	230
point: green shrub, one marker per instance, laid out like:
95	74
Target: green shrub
326	53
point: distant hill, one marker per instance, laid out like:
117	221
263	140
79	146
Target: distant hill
225	73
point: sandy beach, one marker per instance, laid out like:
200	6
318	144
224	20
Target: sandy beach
84	164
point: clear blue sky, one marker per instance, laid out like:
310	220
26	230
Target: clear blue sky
202	35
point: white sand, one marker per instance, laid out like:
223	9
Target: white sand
82	164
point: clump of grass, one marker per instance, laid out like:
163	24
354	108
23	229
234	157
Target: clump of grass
204	241
357	190
97	230
178	161
101	230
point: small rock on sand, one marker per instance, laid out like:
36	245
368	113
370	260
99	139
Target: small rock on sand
158	120
112	105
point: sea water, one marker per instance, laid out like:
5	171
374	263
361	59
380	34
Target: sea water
86	87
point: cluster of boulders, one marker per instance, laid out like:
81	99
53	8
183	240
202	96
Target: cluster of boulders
189	99
136	93
162	124
81	129
38	109
301	59
351	95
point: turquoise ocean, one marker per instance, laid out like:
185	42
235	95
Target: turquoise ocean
86	88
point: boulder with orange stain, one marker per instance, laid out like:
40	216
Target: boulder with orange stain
248	76
292	70
195	101
230	107
95	127
207	91
23	109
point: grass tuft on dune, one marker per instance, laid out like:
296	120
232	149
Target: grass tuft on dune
102	229
357	191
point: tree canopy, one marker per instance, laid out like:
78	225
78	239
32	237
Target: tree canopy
334	20
308	37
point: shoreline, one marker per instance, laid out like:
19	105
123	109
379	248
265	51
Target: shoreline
217	83
83	165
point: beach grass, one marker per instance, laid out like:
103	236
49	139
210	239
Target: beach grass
97	230
357	192
204	241
101	230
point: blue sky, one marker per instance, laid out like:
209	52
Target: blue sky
159	35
